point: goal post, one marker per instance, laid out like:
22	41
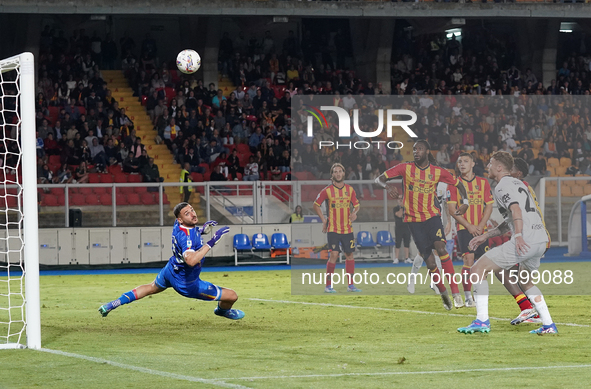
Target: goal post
20	251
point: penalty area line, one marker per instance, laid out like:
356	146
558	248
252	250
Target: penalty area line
213	382
392	373
393	310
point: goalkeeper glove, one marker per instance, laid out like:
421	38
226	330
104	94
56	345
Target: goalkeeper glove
217	236
206	229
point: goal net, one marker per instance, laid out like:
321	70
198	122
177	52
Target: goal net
19	247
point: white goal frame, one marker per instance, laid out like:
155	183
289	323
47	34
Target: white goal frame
26	110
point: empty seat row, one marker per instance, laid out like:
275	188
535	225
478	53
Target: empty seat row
51	200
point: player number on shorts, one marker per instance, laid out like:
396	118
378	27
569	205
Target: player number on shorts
528	208
352	244
439	233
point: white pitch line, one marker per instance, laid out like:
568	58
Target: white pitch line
411	372
213	382
394	310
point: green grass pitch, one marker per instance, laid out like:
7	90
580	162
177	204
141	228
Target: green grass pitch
168	341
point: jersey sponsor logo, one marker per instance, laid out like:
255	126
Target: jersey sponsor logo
538	227
420	189
506	197
339	205
189	243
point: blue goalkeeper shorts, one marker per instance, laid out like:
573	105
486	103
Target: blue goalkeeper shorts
197	289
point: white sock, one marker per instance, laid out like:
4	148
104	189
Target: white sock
468	294
438	261
533	293
480	290
417	263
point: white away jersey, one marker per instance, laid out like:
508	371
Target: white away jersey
512	191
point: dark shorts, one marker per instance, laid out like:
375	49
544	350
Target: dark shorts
341	242
402	234
464	238
427	233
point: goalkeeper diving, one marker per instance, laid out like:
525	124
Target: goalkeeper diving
184	267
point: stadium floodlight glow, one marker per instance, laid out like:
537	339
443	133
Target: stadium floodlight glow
453	31
567	31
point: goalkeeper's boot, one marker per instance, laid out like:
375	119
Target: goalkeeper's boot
353	288
447	304
329	289
105	309
476	326
524	315
545	330
234	314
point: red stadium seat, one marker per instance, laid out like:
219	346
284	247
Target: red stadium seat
84	191
197	177
100	191
140	189
205	166
114	169
243	148
121	177
50	201
61	200
92	199
93	178
106	178
54	160
125	191
132	199
147	198
106	199
121	199
134	178
57	191
77	199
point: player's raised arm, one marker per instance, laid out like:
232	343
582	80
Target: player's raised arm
192	258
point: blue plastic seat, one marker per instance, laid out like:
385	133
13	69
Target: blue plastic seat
364	239
241	242
279	241
260	242
385	239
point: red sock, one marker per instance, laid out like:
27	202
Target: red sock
329	270
522	301
448	268
350	269
436	277
466	278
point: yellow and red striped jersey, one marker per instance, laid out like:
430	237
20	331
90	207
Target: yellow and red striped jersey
533	195
420	189
338	207
479	195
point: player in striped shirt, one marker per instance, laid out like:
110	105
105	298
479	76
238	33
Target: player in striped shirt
473	222
337	224
419	179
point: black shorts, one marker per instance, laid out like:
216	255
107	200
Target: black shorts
336	241
427	233
402	234
464	238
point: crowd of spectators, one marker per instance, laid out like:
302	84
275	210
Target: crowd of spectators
80	127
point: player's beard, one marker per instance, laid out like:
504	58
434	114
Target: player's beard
338	181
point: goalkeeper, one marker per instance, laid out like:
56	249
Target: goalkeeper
183	268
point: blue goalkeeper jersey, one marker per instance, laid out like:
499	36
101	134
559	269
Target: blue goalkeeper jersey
184	240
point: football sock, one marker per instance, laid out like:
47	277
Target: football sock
329	270
125	298
350	269
466	279
533	293
416	264
522	301
481	299
448	268
437	260
437	280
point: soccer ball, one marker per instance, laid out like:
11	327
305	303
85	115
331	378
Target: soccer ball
188	61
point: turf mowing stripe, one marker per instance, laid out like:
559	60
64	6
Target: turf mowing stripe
394	310
145	370
411	372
